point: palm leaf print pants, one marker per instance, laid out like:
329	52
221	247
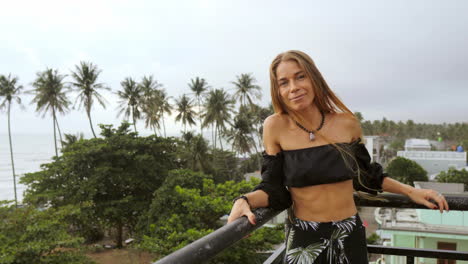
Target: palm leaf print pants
338	242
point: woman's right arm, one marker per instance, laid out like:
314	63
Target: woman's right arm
270	192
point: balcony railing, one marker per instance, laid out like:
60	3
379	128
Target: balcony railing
207	247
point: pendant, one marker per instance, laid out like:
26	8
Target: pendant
311	136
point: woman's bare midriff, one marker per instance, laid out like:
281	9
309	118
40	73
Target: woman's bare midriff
324	202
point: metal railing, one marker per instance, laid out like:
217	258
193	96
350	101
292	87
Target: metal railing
208	246
411	253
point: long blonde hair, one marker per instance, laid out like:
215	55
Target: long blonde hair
325	99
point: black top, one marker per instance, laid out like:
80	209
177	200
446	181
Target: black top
315	165
318	165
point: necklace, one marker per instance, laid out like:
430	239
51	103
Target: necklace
311	133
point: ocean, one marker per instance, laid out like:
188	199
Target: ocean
29	152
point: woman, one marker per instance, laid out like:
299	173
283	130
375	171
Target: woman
313	161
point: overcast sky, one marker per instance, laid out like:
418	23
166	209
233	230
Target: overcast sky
395	59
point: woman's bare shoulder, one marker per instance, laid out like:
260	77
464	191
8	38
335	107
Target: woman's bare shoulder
348	122
275	121
272	127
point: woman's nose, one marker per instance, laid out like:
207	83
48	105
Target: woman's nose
293	86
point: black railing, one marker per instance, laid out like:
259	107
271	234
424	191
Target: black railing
411	253
208	246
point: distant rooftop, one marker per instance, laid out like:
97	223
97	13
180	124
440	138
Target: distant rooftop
441	187
417	144
408	220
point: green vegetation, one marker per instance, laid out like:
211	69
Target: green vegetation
29	235
406	171
456	133
164	192
167	228
374	239
115	175
454	176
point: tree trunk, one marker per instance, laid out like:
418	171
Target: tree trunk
133	117
55	134
199	115
119	235
219	138
164	125
60	133
215	134
212	135
11	154
91	123
257	154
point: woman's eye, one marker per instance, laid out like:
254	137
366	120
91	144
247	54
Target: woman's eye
282	84
300	77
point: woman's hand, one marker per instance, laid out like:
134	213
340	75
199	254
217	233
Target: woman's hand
239	209
422	196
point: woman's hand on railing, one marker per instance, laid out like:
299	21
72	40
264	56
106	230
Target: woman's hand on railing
240	208
422	196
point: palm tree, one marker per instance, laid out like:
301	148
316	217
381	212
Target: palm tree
198	154
199	87
148	85
130	100
85	80
164	106
186	113
151	102
9	89
218	108
240	135
71	139
152	114
50	96
259	114
245	88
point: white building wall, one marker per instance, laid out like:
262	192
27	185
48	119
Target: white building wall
436	161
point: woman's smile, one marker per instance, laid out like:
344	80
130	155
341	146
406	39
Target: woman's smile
297	98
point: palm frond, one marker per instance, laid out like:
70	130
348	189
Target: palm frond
305	225
347	224
309	254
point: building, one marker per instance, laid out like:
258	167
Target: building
425	228
419	150
416	144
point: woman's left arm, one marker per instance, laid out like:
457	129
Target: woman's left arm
420	196
387	184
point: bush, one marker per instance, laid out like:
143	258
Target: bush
29	235
454	176
373	239
406	171
188	206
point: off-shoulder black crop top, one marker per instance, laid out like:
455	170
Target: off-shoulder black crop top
318	165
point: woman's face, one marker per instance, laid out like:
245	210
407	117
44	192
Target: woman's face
295	87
